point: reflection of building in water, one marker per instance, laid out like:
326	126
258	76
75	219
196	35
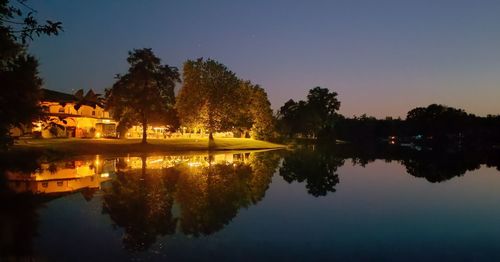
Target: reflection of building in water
159	162
71	176
61	177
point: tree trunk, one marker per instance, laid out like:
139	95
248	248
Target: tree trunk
211	142
144	131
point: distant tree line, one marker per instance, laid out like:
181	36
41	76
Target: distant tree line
435	125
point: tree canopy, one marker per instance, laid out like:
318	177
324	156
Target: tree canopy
145	94
207	96
311	118
256	111
212	97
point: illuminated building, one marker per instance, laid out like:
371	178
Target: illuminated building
67	115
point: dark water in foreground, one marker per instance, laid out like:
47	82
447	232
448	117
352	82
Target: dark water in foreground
309	204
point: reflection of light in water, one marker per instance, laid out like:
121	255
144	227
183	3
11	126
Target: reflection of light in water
160	162
155	161
194	164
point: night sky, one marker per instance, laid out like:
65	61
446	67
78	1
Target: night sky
382	57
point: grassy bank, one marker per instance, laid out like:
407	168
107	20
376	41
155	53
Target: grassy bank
127	146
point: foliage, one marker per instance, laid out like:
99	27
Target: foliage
256	111
367	129
312	118
20	89
212	97
18	25
91	99
209	96
145	94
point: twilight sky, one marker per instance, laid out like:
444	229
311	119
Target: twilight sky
382	57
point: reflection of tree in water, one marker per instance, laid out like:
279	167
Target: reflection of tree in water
205	198
317	167
434	165
211	197
18	225
263	165
440	167
19	217
140	201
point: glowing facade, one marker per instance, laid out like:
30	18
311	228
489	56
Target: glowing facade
68	116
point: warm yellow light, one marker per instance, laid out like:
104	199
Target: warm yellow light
97	135
194	164
105	175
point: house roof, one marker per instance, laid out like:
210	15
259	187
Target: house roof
55	96
90	99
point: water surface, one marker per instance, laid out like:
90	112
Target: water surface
307	204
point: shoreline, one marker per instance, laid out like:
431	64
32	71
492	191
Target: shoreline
67	147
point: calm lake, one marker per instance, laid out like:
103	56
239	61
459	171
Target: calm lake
311	203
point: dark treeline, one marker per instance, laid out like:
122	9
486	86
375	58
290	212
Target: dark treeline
434	125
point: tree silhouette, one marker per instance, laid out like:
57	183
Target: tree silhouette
90	99
437	121
322	105
145	93
312	118
20	83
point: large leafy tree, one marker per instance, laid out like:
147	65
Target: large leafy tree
437	120
257	112
20	82
312	118
209	96
322	105
145	93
